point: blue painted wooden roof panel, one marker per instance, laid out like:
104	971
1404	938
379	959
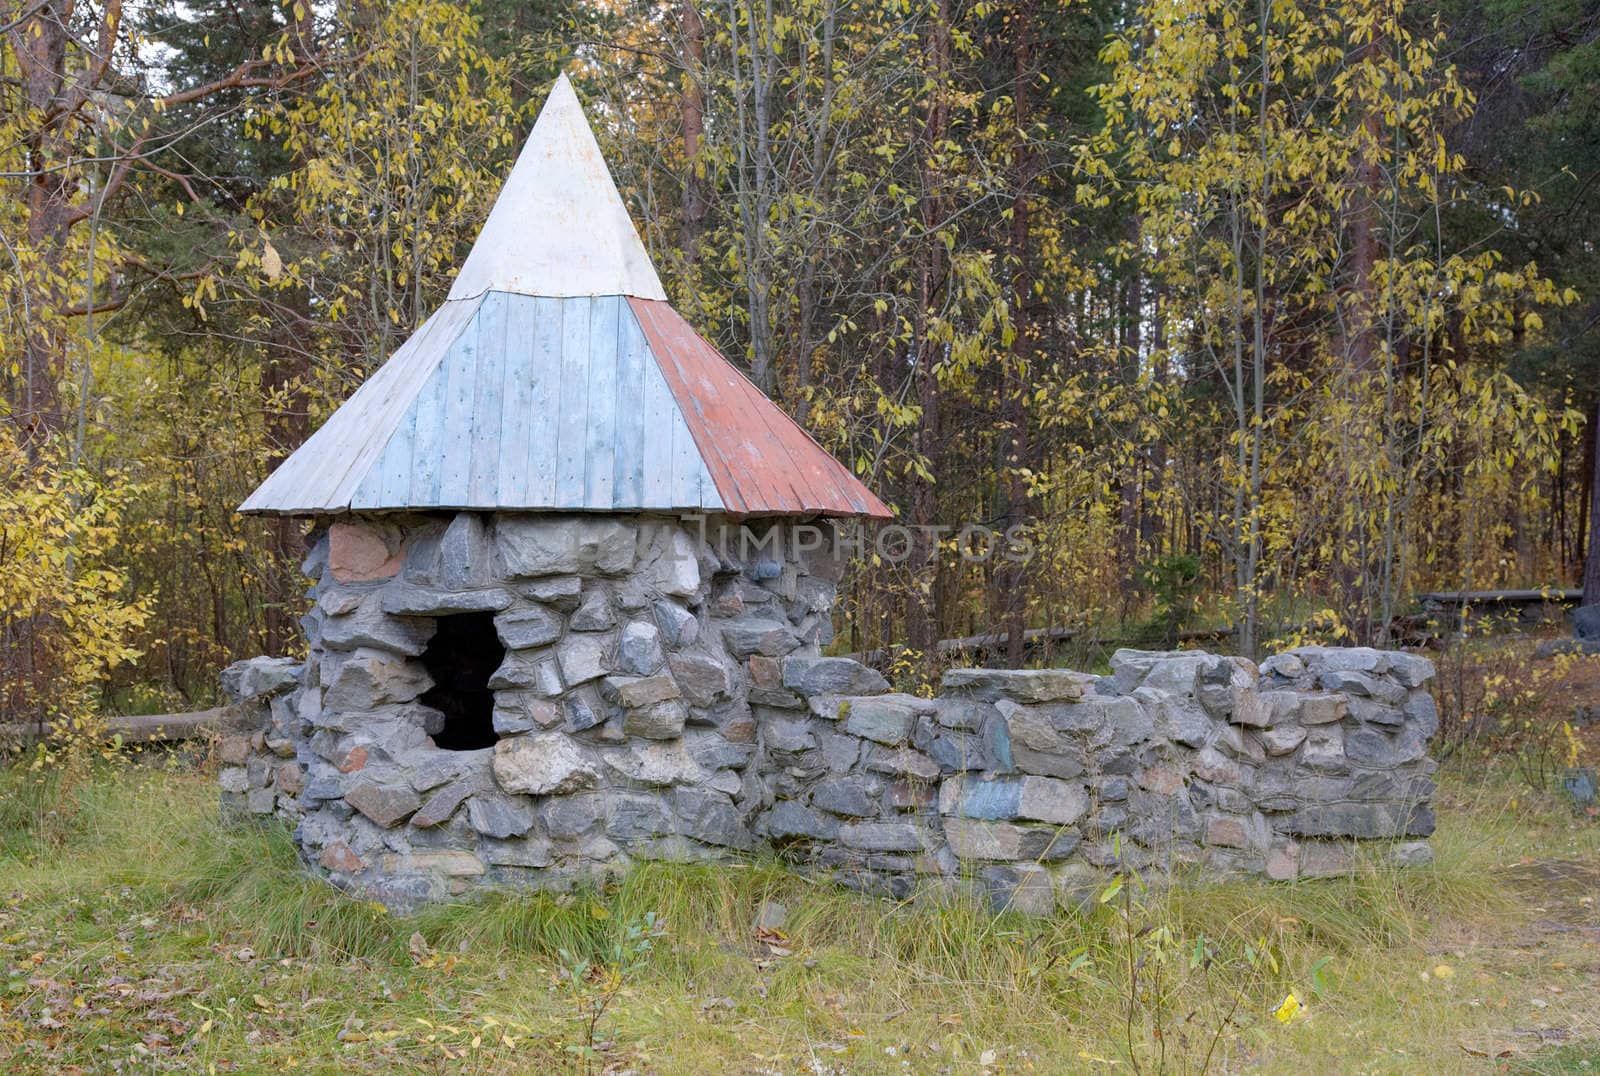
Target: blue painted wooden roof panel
323	474
540	403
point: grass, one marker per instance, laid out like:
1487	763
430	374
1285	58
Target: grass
137	934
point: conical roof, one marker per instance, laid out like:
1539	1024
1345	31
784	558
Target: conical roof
557	377
559	227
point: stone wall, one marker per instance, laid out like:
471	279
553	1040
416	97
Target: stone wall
664	699
1037	784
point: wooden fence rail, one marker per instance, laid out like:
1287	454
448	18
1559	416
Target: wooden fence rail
144	728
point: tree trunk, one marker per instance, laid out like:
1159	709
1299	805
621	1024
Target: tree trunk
49	44
692	110
1158	451
1591	565
805	290
287	371
754	176
1132	342
1013	575
923	629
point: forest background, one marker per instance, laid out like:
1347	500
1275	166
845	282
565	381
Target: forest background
1257	314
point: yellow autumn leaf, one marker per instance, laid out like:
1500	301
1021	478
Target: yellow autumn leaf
271	263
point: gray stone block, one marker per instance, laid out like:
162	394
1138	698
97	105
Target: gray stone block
754	635
676	571
882	836
844	796
1552	648
1373	712
430	768
528	671
711	750
527	852
1283	739
1410	670
1171	671
257	678
901	762
385	804
787	735
1040	799
1350	682
583	658
710	817
1361	659
639	649
403	600
466	553
776	698
788	819
657	721
442	804
1371	747
372	626
533	546
638	691
1225	688
1019	685
636	817
582	709
543	764
523	629
1585	621
958	751
316	559
594	612
1125	720
885	719
524	711
1323	709
972	838
559	592
704	680
569	817
371	678
831	676
679	628
1422	714
1024	888
1183	722
1362	820
656	763
967	715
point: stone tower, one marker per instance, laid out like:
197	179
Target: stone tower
555	551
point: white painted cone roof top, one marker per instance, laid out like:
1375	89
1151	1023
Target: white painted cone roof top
559	228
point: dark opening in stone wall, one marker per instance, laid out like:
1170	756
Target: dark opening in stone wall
463	655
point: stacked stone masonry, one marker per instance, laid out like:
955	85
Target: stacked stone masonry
663	698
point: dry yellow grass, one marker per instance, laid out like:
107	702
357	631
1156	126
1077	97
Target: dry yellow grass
135	934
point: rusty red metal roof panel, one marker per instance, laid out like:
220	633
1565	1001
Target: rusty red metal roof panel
761	461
